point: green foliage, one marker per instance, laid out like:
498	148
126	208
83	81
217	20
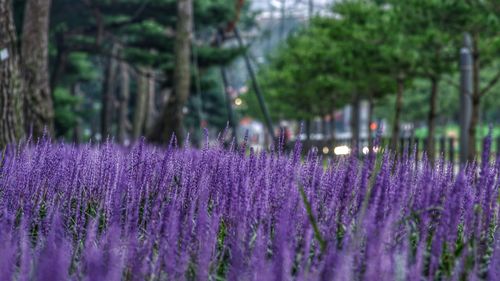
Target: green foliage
321	65
145	32
65	115
365	46
210	102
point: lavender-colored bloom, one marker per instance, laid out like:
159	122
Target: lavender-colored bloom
104	212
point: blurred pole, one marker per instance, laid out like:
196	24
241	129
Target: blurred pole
355	105
311	9
255	86
282	20
225	84
465	96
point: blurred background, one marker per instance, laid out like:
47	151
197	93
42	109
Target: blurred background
96	69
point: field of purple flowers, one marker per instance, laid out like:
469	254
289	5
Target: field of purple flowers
147	213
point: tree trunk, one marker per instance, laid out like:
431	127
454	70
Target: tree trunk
39	110
324	127
11	101
123	102
59	63
140	107
151	114
171	121
333	127
476	99
431	121
225	85
77	131
108	92
355	122
308	131
474	120
370	121
397	114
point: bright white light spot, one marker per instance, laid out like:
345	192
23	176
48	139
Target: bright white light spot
238	101
325	150
4	54
366	150
342	150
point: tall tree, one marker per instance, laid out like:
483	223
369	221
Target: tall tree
483	22
151	112
123	99
140	107
171	121
435	41
11	99
108	93
39	110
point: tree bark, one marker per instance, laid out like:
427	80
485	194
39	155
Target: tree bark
140	107
431	121
355	122
108	92
397	114
324	127
171	120
370	121
308	125
123	102
333	127
473	127
151	113
77	131
11	94
38	106
476	97
59	63
225	85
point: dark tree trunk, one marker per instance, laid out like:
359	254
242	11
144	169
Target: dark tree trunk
77	131
140	107
123	102
473	127
355	122
475	97
333	127
397	114
431	121
308	126
108	93
151	113
11	91
59	63
39	110
324	128
370	121
225	85
171	120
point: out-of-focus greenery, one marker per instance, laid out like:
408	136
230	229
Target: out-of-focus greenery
364	47
212	106
65	115
82	35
